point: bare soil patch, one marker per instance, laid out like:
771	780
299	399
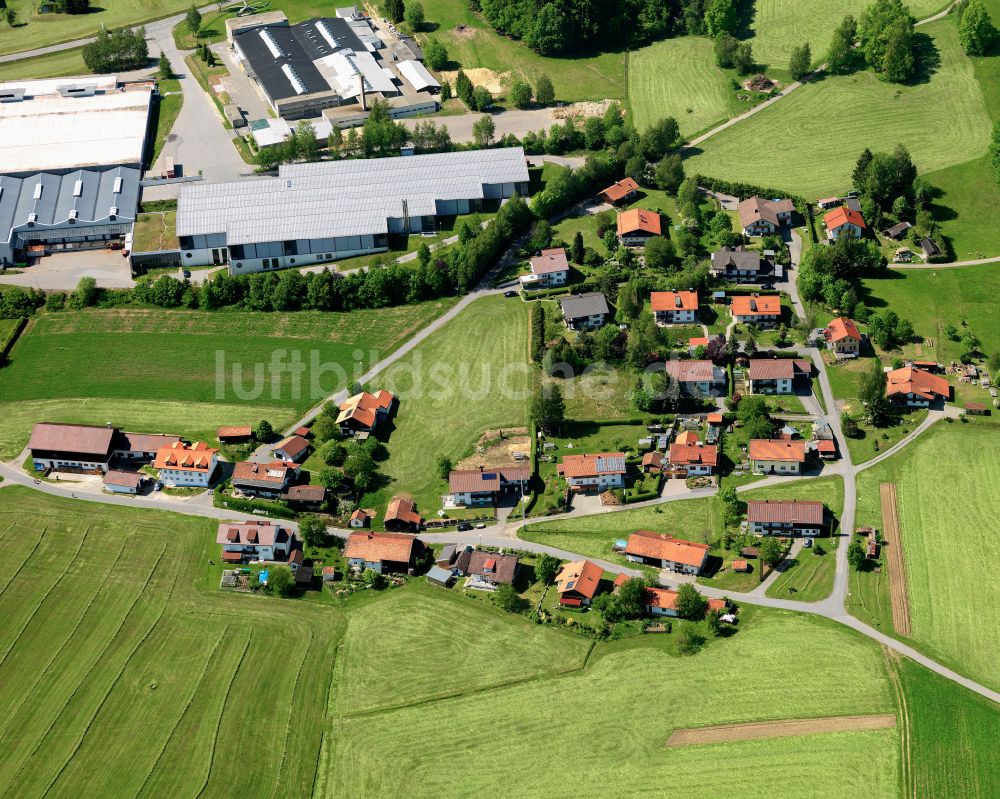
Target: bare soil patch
726	733
492	81
499	448
893	544
463	32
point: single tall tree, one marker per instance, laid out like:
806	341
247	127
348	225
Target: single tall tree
193	19
548	411
800	61
975	29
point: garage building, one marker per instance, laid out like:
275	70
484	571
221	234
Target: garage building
317	212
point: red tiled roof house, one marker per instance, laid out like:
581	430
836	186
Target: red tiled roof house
916	388
842	337
756	309
577	583
674	307
776	375
844	222
264	479
666	552
293	448
186	465
384	553
549	268
693	459
663	602
362	413
251	541
593	472
777	456
619	192
636	226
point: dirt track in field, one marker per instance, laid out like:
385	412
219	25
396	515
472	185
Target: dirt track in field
897	566
726	733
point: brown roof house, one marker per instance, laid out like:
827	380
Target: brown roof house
401	516
186	465
234	434
597	472
759	217
776	375
700	378
636	226
786	517
304	497
384	553
693	459
71	447
362	413
620	191
577	583
777	456
666	552
484	571
484	486
120	482
293	448
549	268
739	265
267	480
253	541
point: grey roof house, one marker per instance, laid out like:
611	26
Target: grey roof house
585	311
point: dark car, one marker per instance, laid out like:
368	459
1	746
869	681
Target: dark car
767	287
463	527
187	273
510	293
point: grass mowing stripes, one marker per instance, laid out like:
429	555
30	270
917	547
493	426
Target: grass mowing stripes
948	543
419	658
942	122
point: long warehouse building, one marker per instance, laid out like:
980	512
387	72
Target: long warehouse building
317	212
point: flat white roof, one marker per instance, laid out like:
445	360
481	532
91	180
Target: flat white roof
416	75
277	130
47	132
35	87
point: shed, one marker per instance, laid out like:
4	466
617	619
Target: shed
417	76
329	574
439	576
741	566
304	576
976	409
119	482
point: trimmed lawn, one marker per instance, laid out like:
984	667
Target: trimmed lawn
780	25
52	65
156	230
943	122
948	541
587	77
470	376
678	78
396	650
414	746
598	394
167	110
111	611
968	201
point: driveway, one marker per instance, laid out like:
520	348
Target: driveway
62	271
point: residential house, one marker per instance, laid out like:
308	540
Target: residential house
484	486
842	336
362	413
690	460
619	192
636	226
383	553
119	482
844	222
268	480
137	447
916	388
242	434
897	230
697	378
593	472
756	309
401	515
293	448
255	541
786	517
361	518
485	571
759	217
304	497
652	463
666	552
585	311
674	307
777	456
186	465
549	268
776	375
577	583
929	248
739	265
663	602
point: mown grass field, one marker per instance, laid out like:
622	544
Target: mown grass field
53	65
678	78
949	544
173	356
623	753
583	78
403	633
468	377
943	122
780	25
122	676
932	299
969	196
953	735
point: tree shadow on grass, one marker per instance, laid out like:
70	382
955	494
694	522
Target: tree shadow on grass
928	58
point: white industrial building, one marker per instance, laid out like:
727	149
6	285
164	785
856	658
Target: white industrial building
64	124
317	212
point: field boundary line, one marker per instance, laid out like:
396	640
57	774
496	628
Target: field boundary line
222	712
104	699
291	706
28	557
72	633
93	665
785	728
183	713
905	755
897	564
45	596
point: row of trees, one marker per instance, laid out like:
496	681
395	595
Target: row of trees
884	39
117	51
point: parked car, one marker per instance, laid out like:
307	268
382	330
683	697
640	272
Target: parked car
186	273
511	293
481	526
463	527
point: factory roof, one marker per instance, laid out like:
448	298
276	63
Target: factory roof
417	76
